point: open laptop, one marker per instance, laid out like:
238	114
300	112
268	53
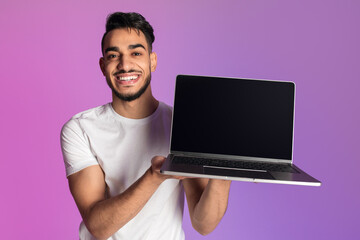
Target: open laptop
234	129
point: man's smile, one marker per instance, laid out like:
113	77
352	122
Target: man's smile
127	79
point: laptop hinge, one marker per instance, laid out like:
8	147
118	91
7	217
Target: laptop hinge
230	157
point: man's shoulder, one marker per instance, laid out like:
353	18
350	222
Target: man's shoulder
166	111
92	114
166	108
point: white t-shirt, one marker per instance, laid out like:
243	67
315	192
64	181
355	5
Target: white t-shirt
124	148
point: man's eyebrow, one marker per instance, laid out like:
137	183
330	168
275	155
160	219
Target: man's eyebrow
115	49
136	46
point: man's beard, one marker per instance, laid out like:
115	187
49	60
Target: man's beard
130	97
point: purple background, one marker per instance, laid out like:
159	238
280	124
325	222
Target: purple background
49	54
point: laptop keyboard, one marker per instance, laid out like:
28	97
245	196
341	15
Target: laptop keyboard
234	164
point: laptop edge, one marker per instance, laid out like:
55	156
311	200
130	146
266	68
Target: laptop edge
300	178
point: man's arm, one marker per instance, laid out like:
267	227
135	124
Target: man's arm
207	201
104	216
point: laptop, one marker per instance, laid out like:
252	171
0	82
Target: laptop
234	129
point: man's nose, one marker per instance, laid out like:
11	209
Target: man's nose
125	63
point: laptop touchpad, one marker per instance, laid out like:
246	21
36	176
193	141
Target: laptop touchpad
236	173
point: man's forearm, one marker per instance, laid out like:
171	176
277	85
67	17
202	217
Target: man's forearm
106	217
211	206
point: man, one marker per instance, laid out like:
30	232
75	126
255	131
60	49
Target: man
113	153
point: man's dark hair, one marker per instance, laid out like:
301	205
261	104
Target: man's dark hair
131	20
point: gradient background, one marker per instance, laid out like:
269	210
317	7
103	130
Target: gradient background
49	53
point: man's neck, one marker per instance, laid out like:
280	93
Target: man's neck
142	107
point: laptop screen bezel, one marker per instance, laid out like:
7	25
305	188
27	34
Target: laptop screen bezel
228	156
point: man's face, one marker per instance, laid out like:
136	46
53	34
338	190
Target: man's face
127	63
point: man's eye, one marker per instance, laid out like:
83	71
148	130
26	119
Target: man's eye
137	54
111	56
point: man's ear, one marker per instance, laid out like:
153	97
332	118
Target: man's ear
102	65
153	61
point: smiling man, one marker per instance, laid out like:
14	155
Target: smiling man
113	153
127	63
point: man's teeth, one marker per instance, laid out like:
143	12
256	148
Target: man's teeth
127	78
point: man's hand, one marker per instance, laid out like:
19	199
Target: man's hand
156	164
207	198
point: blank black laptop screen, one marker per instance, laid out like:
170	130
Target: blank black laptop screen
241	117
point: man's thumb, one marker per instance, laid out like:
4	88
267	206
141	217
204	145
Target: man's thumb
157	162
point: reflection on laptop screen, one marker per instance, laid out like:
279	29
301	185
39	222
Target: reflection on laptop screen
252	118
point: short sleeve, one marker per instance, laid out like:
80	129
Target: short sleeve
75	147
